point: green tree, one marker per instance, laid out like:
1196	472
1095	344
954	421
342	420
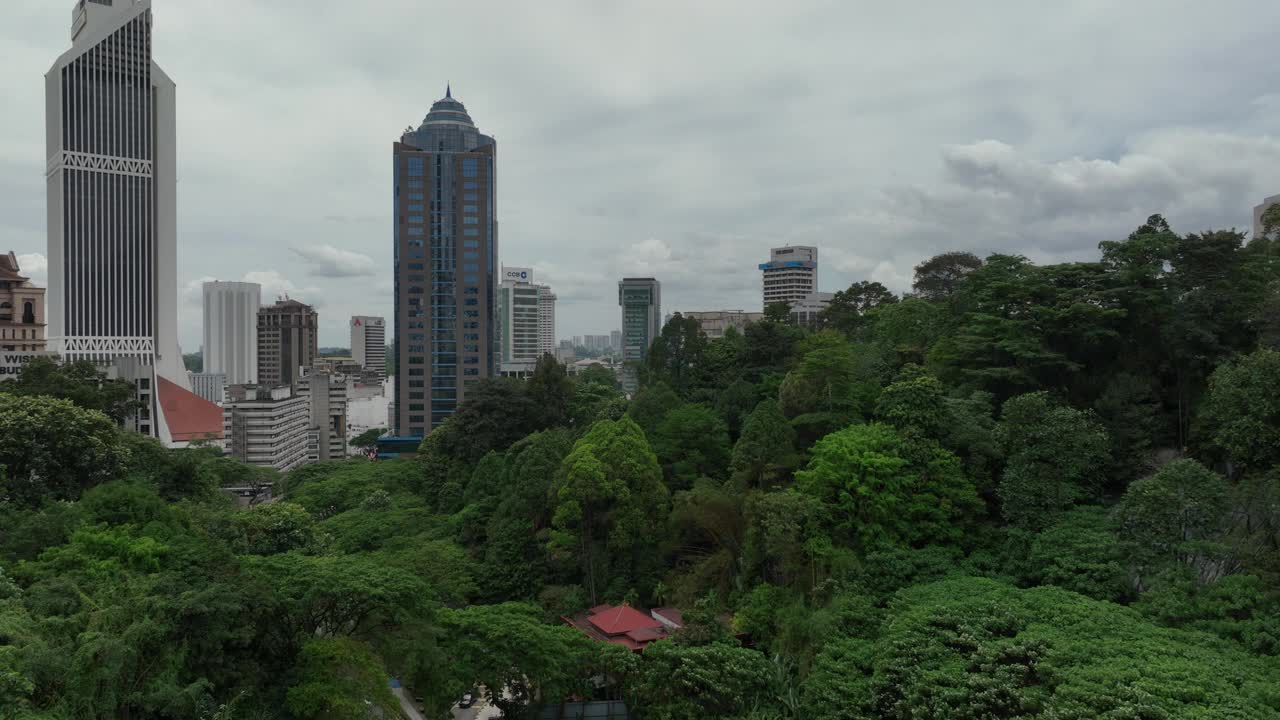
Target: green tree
765	453
939	276
1054	458
651	405
1182	502
52	449
551	391
368	439
719	680
1242	410
81	382
277	527
881	488
827	390
847	311
909	328
691	442
915	400
609	505
676	352
340	679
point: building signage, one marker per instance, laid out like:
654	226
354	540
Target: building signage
373	322
11	362
517	274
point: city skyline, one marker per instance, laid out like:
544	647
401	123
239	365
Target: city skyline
963	152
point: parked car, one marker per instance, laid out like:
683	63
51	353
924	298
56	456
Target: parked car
467	699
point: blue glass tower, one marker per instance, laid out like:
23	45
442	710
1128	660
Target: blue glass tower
446	255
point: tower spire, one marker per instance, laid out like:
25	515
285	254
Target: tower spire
448	91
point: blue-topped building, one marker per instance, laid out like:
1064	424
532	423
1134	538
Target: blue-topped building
791	275
446	260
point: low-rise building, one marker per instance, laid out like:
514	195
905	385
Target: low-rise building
266	426
805	312
626	626
21	309
210	386
715	322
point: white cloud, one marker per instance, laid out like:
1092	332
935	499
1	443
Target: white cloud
275	286
34	266
331	262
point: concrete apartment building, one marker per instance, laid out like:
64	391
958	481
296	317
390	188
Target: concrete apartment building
1259	210
21	309
231	330
546	321
790	275
715	322
111	203
445	263
326	395
210	386
287	342
266	426
519	320
369	345
641	303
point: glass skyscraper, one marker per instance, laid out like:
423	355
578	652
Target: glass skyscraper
446	254
641	303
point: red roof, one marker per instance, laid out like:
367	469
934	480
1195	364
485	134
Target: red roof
621	620
672	615
189	416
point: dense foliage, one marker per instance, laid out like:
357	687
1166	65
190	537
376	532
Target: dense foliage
1022	491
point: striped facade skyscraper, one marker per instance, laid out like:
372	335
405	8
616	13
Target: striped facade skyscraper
231	330
111	176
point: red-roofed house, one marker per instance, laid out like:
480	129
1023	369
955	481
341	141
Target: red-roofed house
621	625
186	417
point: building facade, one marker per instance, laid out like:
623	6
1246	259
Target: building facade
21	309
1258	210
369	344
446	265
615	341
210	386
805	311
266	426
790	275
231	330
326	395
546	321
519	317
287	342
111	187
641	303
715	322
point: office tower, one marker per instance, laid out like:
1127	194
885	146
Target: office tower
369	345
546	321
286	341
518	317
111	141
445	260
266	426
1259	210
713	323
326	395
790	275
210	386
231	330
641	303
615	341
21	309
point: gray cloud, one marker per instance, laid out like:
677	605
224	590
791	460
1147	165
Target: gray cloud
685	139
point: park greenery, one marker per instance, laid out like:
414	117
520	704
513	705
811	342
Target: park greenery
1019	491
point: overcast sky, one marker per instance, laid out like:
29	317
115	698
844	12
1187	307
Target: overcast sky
682	139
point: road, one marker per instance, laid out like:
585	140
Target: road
482	710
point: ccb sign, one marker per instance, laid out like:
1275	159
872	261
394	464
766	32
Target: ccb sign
517	274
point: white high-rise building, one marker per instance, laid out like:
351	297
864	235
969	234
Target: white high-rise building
519	316
111	138
369	344
231	330
546	321
791	274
